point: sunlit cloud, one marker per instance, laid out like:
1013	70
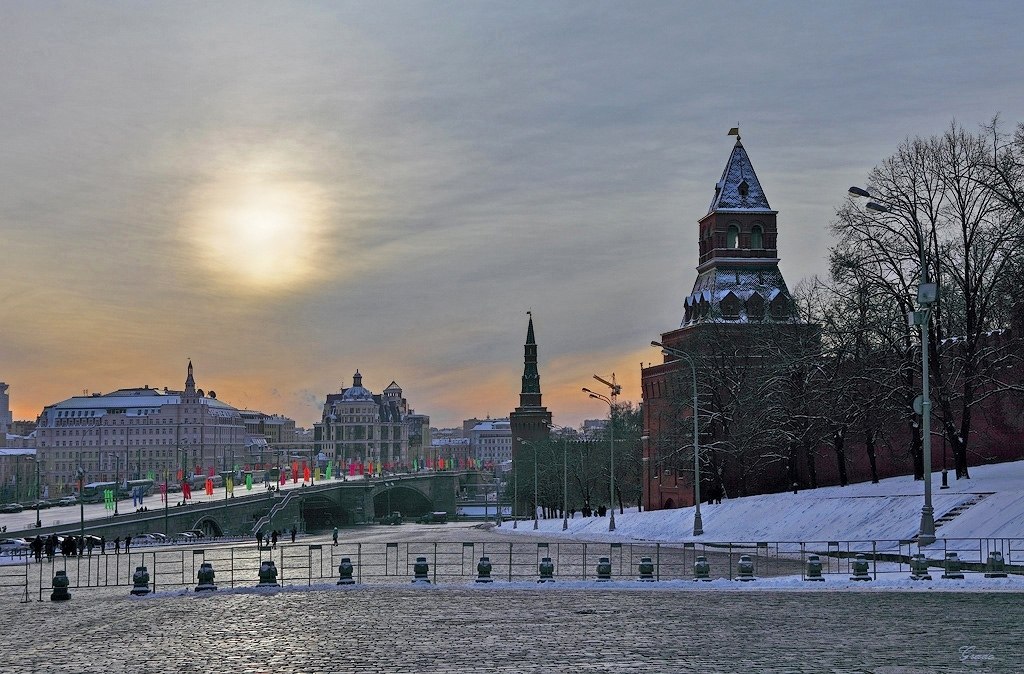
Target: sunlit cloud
258	229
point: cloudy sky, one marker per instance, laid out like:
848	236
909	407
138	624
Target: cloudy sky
286	192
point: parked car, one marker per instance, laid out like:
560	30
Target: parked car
11	508
437	517
192	535
393	518
154	538
41	504
68	501
13	546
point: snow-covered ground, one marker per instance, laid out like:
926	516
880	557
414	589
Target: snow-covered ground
887	511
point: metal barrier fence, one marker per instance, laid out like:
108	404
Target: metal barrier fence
456	562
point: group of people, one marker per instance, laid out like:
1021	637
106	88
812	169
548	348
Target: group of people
587	511
269	540
72	546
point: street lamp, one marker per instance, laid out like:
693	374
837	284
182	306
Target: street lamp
565	475
39	494
535	490
117	485
515	494
698	523
611	442
81	503
927	294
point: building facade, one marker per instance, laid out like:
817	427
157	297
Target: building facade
137	432
490	441
358	426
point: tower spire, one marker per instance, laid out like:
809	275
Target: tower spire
530	395
190	382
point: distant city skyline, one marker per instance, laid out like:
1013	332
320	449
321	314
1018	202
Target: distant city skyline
286	193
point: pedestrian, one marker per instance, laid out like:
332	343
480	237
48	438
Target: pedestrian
273	539
259	539
127	542
37	548
335	535
88	545
103	545
117	545
293	534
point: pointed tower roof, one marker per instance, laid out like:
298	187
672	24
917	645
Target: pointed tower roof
190	382
739	189
530	395
738	276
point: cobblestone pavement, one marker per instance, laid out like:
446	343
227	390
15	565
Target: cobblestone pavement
468	629
522	628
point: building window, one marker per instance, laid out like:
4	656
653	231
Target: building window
732	237
756	238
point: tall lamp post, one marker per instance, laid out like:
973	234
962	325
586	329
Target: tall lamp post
927	294
117	481
611	442
535	490
565	475
698	523
39	494
81	504
515	495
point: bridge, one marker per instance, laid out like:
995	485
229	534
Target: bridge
319	506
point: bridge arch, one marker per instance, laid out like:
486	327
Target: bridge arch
406	499
209	526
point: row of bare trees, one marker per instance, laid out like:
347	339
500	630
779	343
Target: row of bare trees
776	398
583	465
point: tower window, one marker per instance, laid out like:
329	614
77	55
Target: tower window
732	237
756	237
744	188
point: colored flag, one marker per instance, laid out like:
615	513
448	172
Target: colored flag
305	472
231	485
248	481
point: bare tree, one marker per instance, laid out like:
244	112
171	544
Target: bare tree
939	210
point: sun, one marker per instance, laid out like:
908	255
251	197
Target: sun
259	232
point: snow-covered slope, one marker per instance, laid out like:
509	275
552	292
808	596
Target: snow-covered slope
890	510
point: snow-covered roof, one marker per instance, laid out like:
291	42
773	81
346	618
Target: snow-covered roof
133	402
739	189
715	284
17	451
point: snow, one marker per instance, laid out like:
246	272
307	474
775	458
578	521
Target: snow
887	512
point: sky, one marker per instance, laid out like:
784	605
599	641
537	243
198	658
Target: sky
285	193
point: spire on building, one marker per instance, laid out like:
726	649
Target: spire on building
530	395
738	276
530	422
357	379
190	382
739	189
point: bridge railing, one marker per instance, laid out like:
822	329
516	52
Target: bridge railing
277	508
